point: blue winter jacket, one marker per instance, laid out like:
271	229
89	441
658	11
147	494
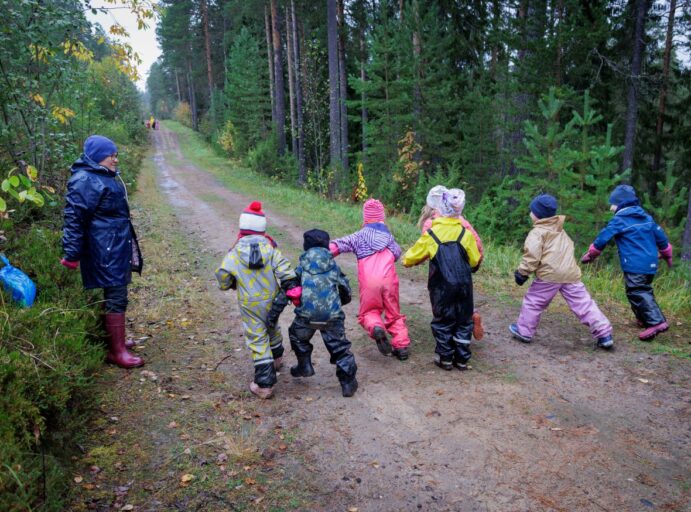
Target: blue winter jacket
97	230
638	240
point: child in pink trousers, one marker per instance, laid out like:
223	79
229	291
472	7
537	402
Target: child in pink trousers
548	252
376	252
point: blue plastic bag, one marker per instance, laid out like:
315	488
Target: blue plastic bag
15	282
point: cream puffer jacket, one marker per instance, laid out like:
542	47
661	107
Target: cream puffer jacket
548	251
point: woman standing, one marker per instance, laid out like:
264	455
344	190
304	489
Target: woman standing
98	234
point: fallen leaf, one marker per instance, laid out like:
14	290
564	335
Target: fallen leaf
173	424
282	447
186	479
644	381
375	464
556	429
259	500
222	457
78	479
352	509
309	399
185	397
250	481
128	507
88	486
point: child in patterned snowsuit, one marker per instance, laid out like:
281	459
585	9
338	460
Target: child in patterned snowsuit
376	252
548	252
453	255
255	267
324	290
639	240
429	213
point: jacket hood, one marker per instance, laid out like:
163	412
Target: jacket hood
632	211
317	260
244	247
84	163
555	223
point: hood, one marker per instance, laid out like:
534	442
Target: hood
317	260
632	211
555	223
244	249
84	163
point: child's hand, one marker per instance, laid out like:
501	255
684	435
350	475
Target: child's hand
294	295
333	249
72	265
519	278
590	255
666	254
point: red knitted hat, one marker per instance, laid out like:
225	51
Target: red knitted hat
373	211
253	218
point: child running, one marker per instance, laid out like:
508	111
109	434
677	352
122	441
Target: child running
376	252
324	290
429	213
453	255
548	252
255	267
638	239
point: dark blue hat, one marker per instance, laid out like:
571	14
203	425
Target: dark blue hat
622	196
544	206
315	238
98	148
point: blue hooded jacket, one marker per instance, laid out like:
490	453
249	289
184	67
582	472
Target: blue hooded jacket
97	230
638	239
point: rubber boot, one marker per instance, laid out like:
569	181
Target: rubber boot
653	331
117	352
304	367
382	340
349	387
129	342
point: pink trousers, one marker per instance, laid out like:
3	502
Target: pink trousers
541	293
378	283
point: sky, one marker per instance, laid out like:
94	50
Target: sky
143	41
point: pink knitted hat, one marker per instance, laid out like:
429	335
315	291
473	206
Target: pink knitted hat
373	211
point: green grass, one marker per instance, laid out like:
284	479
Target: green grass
495	279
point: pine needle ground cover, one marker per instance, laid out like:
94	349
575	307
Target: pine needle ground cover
603	279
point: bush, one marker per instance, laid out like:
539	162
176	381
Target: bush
46	365
183	114
264	159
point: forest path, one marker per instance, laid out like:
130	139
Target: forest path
550	426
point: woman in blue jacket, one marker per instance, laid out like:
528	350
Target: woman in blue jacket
99	235
639	240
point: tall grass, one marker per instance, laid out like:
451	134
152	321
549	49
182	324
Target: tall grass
603	279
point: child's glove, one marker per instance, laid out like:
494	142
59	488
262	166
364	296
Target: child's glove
279	304
590	255
519	278
333	248
294	295
666	254
72	265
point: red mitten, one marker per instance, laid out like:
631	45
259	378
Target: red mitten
590	255
72	265
666	254
294	295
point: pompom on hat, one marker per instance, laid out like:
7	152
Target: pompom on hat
253	219
373	211
98	148
448	202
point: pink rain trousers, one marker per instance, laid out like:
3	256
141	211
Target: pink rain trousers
541	293
378	283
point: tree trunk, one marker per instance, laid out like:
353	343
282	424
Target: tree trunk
663	90
496	22
363	94
343	85
279	87
269	53
686	239
520	98
559	18
192	96
177	85
207	44
334	85
640	7
291	79
302	176
417	70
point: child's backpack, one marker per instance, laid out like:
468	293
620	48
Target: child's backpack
20	286
449	266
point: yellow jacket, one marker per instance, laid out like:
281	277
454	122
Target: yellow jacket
548	251
447	229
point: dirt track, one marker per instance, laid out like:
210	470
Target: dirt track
548	426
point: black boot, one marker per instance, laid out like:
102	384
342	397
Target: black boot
382	340
349	386
304	367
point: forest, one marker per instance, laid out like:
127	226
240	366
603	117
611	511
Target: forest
388	98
